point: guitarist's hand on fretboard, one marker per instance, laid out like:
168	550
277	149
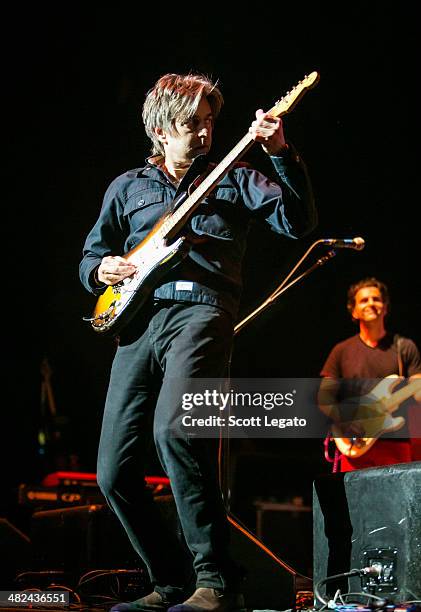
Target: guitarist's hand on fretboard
269	131
114	269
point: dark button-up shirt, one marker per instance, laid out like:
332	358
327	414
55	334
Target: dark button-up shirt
211	273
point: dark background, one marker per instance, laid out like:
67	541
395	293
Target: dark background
75	83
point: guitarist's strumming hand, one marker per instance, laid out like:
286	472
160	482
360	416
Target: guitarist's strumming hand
114	269
269	132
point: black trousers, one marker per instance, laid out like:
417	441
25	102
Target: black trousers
178	341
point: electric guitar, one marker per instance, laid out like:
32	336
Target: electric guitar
374	416
164	247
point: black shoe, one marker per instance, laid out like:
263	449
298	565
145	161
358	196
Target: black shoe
150	603
205	599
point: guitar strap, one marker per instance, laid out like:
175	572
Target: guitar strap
399	351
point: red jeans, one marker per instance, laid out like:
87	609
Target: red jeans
383	452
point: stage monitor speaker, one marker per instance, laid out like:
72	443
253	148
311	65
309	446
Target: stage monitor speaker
370	517
15	553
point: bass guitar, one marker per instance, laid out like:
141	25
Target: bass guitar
165	246
373	416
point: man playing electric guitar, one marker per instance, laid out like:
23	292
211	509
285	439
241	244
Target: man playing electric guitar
185	330
353	369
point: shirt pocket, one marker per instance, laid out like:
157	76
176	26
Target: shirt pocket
218	216
144	208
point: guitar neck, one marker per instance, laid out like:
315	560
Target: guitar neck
173	223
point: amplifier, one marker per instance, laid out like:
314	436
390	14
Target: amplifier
68	489
78	539
41	497
87	538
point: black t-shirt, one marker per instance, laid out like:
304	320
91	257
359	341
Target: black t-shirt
352	358
362	367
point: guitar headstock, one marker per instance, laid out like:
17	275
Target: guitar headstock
287	102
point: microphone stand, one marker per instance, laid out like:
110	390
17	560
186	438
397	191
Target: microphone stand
223	452
284	287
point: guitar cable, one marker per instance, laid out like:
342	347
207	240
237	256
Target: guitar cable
354	572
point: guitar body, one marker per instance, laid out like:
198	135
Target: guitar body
373	416
154	258
356	447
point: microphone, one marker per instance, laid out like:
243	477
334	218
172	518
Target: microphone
345	243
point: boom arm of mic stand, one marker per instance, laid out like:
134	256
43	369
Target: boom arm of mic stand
284	287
